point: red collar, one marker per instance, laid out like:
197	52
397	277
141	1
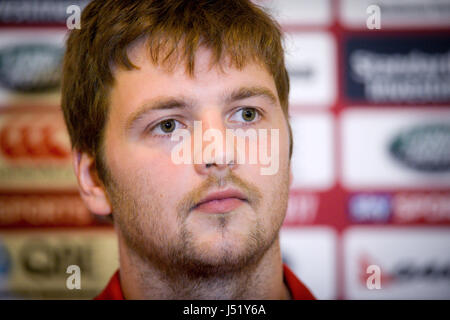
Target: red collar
298	290
113	291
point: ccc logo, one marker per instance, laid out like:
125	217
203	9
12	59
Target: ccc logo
34	137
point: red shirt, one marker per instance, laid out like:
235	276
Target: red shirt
298	290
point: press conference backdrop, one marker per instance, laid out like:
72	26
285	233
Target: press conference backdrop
369	105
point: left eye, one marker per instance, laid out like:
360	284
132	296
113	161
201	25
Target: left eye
246	114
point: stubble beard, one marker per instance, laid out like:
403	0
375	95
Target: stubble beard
136	216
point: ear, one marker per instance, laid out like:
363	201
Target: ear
91	188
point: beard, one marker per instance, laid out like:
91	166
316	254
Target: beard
139	216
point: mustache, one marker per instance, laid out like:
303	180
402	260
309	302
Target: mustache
250	191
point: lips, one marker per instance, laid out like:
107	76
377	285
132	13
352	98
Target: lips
221	202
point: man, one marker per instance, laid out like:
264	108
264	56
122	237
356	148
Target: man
136	73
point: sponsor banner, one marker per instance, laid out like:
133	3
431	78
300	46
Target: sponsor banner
303	208
308	207
397	263
299	12
396	14
311	63
30	66
422	207
37	12
399	207
403	69
310	252
369	207
33	264
396	148
35	151
312	161
44	210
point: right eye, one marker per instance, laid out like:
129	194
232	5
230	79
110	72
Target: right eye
166	127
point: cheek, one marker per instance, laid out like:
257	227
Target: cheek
153	182
127	157
154	171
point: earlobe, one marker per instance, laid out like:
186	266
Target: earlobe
91	188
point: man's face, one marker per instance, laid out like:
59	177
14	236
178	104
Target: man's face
157	203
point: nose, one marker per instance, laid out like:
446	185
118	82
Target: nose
216	154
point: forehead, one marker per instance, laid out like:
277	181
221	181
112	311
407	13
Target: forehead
150	79
205	59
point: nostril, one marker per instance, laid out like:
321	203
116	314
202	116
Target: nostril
230	164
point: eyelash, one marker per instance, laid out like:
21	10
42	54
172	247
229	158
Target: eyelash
258	118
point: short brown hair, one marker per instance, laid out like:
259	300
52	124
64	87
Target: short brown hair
237	29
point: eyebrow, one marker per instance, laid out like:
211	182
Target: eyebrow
250	92
158	104
173	103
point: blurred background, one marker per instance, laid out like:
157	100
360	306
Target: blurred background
369	209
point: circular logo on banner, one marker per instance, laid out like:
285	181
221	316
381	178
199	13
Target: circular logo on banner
424	148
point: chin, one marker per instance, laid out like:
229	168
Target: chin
231	242
223	253
223	262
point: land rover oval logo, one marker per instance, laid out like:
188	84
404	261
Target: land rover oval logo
425	148
30	67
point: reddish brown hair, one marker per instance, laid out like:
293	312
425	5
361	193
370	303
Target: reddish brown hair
173	31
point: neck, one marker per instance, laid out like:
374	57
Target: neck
262	280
